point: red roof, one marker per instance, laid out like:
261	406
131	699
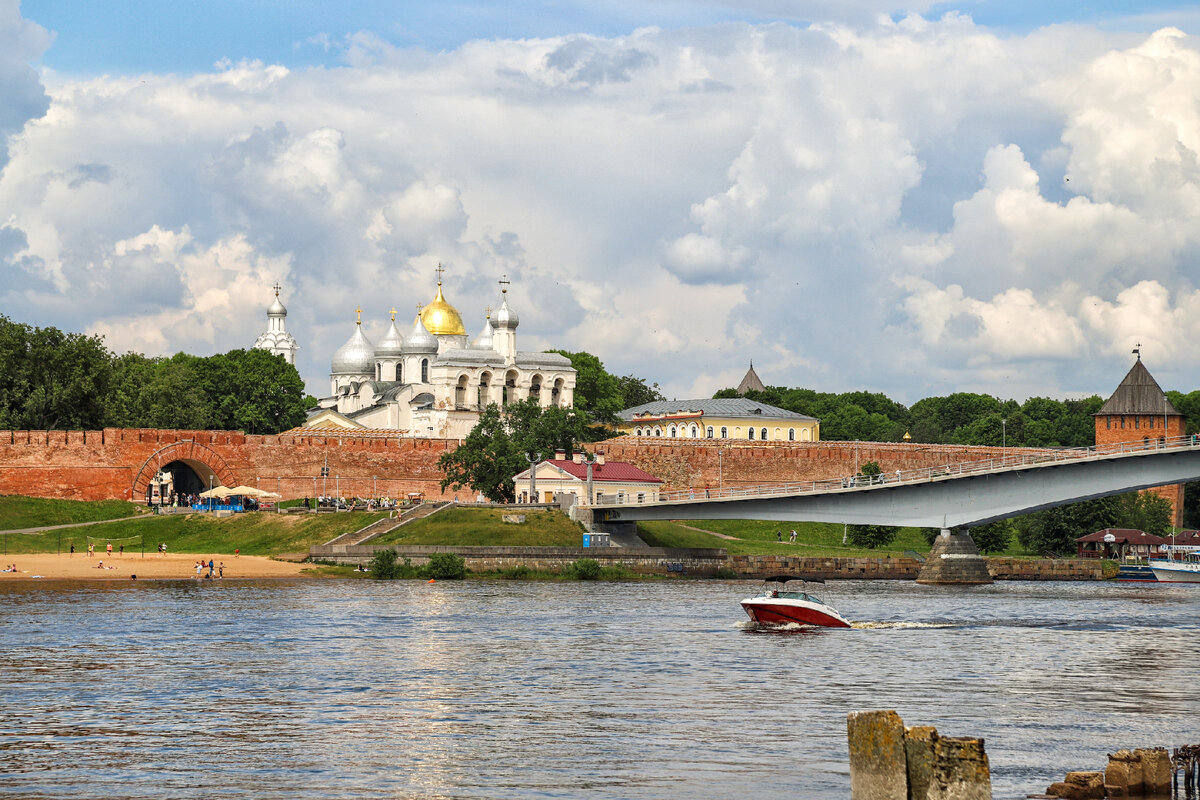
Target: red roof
610	471
1125	536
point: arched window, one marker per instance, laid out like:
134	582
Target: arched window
778	434
724	433
424	370
751	434
657	431
694	433
637	431
708	432
400	371
737	432
671	431
763	434
791	434
805	434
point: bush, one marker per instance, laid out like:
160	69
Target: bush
446	566
384	566
993	537
585	569
871	536
517	573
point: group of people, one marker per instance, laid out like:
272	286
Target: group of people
11	568
108	549
202	565
779	536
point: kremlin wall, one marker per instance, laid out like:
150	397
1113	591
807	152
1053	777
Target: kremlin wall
118	463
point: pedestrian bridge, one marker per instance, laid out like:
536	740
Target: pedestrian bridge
962	495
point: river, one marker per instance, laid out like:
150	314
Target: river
479	689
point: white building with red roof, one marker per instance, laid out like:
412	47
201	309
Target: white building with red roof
562	475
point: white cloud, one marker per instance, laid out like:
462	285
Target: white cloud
883	204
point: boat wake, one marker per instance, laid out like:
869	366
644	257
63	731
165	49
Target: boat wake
874	626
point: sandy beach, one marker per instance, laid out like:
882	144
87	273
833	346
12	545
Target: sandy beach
153	567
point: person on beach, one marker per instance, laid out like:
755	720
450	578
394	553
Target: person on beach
221	570
237	551
122	553
91	550
110	549
72	549
210	568
199	569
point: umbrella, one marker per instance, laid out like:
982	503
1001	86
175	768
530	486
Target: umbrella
219	491
271	494
246	491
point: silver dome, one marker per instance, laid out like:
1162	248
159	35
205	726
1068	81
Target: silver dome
355	357
505	317
277	309
420	340
484	340
392	344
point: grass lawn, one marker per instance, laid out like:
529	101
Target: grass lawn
34	512
758	537
484	527
255	534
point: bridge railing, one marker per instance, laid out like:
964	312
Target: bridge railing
1023	457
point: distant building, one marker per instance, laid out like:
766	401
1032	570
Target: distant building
276	339
724	418
560	475
750	382
1140	413
1117	543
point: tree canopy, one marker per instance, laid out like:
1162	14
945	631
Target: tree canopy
495	449
53	381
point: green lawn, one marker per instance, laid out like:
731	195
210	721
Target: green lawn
759	537
33	512
262	534
484	526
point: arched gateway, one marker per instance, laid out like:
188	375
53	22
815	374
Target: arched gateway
193	464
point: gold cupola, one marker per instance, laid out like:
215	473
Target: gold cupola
439	317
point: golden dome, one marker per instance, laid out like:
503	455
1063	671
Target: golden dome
442	319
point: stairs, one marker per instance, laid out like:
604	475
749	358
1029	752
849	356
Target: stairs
377	529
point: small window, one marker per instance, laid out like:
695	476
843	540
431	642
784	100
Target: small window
1108	422
1122	422
791	434
671	431
424	370
1137	422
709	431
724	433
751	432
1151	423
694	432
763	434
641	497
637	431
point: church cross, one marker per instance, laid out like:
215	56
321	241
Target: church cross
440	269
504	282
393	313
419	306
1137	350
277	287
358	316
487	312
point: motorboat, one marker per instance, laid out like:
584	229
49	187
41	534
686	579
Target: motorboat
782	604
1168	570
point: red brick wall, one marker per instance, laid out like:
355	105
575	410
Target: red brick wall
118	463
1144	428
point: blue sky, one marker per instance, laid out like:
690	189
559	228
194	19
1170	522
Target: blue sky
972	196
135	36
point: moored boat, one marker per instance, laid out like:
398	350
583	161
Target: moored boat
779	604
1168	570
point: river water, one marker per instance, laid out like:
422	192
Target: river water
339	688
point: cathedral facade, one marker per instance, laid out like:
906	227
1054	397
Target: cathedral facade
434	381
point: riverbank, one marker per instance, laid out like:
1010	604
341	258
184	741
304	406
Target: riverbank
153	566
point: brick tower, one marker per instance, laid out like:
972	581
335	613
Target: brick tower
1140	412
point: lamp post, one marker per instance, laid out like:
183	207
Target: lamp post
1003	436
720	470
534	459
211	479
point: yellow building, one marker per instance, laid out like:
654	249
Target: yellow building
618	480
725	418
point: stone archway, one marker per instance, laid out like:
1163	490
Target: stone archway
203	460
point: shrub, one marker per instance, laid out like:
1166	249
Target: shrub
872	536
384	566
517	573
617	572
446	566
585	569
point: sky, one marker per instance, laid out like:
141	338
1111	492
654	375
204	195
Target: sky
919	199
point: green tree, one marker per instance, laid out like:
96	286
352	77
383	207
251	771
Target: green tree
635	392
252	390
494	451
1143	511
598	394
992	537
156	393
384	565
871	536
51	380
1056	529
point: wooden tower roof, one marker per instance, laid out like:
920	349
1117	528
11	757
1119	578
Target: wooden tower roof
1138	393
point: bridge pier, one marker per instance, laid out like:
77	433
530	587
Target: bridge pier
954	559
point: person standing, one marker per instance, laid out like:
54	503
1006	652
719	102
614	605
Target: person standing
91	550
793	539
109	550
72	549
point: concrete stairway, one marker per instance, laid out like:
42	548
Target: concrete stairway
377	529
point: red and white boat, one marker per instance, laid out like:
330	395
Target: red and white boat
780	604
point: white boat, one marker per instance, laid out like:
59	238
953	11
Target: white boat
776	605
1168	570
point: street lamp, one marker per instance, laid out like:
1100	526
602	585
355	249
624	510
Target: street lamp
1003	436
534	459
211	479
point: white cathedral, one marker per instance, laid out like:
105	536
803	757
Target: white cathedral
434	382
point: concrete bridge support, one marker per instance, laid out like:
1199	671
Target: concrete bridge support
954	559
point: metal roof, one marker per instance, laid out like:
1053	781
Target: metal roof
735	407
1138	393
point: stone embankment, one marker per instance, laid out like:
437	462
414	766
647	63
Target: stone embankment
1147	772
705	562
